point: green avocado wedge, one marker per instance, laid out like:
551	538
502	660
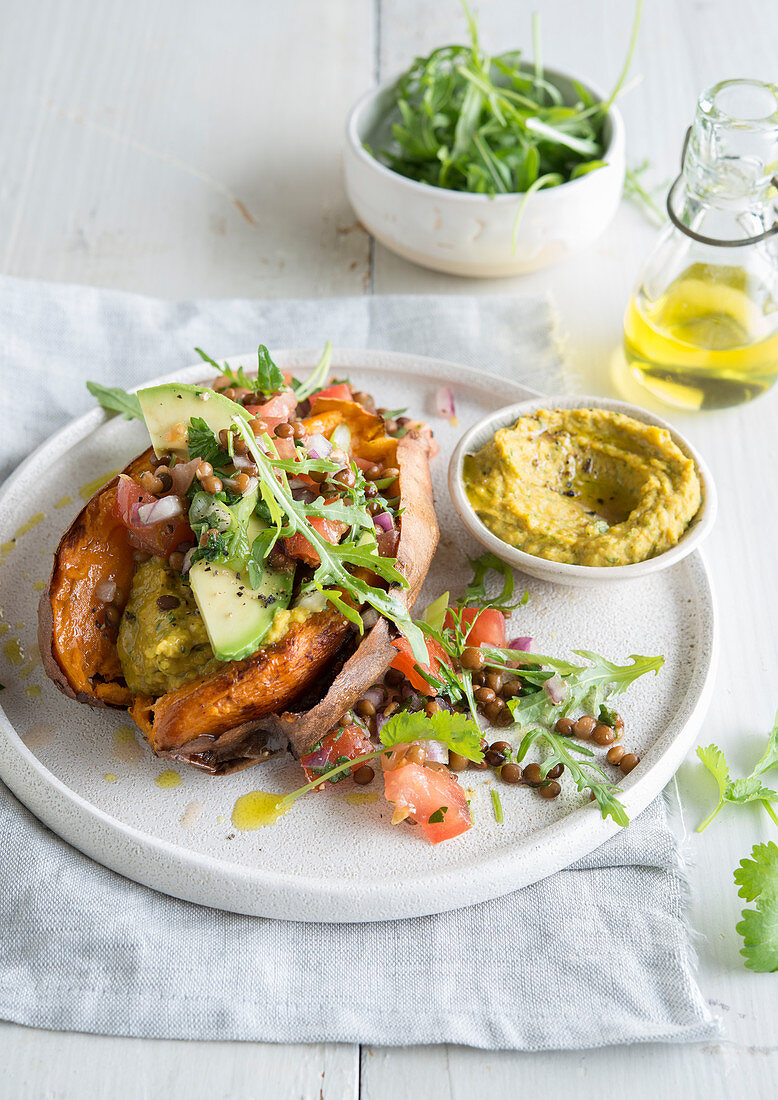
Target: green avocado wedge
236	616
167	410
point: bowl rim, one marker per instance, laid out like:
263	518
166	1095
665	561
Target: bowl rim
354	143
699	527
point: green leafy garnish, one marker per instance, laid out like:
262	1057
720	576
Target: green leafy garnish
476	594
117	400
757	878
497	806
202	443
317	377
581	765
331	578
747	789
436	818
465	121
456	731
269	378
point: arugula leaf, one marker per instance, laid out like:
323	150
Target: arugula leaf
117	400
475	593
331	571
456	731
757	878
318	376
589	686
588	775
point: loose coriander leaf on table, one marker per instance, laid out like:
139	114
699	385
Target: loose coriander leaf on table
769	758
757	878
116	399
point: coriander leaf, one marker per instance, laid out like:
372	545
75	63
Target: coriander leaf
757	878
437	817
759	874
716	763
117	400
759	929
456	731
318	376
769	758
202	443
750	789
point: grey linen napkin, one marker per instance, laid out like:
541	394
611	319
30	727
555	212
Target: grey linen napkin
597	954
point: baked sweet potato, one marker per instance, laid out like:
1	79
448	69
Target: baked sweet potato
287	693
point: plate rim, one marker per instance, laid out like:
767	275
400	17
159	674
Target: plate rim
203	878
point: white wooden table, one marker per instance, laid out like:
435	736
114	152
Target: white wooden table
186	148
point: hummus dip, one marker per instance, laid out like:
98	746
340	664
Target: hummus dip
584	486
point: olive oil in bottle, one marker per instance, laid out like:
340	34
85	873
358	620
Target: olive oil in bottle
701	328
709	340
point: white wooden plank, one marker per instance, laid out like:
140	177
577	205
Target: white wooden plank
683	48
54	1065
181	149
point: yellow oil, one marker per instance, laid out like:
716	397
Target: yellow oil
89	488
168	779
13	651
711	340
257	809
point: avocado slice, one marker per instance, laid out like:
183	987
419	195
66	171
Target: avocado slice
236	616
167	409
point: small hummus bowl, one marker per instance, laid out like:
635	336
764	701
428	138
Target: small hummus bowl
563	572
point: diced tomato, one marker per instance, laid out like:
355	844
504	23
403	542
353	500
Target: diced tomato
487	626
158	538
350	742
275	411
340	391
428	792
331	530
405	662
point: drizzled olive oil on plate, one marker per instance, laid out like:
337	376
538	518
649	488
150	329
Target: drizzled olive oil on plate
708	341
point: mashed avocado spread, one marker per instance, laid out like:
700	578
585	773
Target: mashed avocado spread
162	647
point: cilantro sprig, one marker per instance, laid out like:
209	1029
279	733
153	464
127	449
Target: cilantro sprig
746	789
455	731
757	878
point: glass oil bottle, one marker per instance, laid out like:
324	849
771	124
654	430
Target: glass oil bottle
701	329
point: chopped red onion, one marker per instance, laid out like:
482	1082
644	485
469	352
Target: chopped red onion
524	644
384	520
106	590
187	565
444	403
370	618
556	689
183	474
318	447
241	462
374	695
436	752
158	510
341	437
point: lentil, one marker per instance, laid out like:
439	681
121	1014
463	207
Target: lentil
242	482
373	473
603	735
494	709
614	755
364	775
473	659
511	689
533	776
212	485
176	560
565	727
457	763
150	482
283	431
167	603
365	708
510	773
298	429
203	469
494	681
555	772
431	707
629	761
484	695
584	726
550	790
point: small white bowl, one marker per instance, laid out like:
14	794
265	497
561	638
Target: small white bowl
562	572
466	234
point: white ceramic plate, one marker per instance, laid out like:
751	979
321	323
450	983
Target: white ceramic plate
85	775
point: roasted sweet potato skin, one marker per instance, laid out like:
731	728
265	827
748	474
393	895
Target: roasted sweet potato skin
228	719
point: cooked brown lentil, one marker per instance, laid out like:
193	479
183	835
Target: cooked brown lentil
364	775
510	773
584	727
550	790
167	603
555	772
473	659
533	776
565	727
150	483
603	735
457	763
615	754
365	708
629	761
